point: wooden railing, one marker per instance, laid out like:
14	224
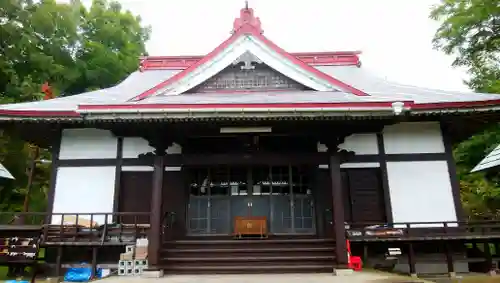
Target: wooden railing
116	228
423	230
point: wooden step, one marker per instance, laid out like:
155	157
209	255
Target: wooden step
248	269
249	244
250	250
244	252
250	258
249	241
275	255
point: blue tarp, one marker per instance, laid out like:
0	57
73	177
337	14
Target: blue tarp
81	274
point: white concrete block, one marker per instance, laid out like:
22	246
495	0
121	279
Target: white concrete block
342	272
152	273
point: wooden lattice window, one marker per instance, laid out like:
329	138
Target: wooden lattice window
245	77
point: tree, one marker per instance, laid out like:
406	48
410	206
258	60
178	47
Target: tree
470	31
73	48
110	44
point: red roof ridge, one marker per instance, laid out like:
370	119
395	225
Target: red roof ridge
248	24
321	58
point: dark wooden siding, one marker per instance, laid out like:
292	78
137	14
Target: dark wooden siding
135	194
363	195
175	200
347	196
324	202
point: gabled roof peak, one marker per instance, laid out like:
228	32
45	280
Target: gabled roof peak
247	21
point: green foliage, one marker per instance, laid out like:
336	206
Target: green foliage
73	48
470	31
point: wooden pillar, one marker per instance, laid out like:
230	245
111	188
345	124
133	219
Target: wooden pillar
365	253
452	172
449	259
489	258
411	260
94	263
154	241
56	146
59	261
118	177
385	178
338	213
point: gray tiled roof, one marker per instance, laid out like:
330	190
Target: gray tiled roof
490	161
132	86
379	90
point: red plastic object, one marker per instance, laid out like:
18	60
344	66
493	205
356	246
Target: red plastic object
354	262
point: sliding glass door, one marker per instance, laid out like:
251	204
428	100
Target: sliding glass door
282	194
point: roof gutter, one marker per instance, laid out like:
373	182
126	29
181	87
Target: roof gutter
236	110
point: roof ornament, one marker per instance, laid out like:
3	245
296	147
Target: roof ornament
248	59
47	90
247	21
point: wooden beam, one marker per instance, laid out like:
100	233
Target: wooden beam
312	158
251	158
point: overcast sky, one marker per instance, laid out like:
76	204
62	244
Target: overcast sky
394	35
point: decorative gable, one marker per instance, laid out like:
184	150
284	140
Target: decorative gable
262	66
248	73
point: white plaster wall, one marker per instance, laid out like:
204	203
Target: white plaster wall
421	191
133	146
91	189
361	144
87	143
84	190
413	138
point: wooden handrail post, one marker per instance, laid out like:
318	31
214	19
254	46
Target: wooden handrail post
61	228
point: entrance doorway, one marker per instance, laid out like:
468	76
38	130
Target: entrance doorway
282	194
